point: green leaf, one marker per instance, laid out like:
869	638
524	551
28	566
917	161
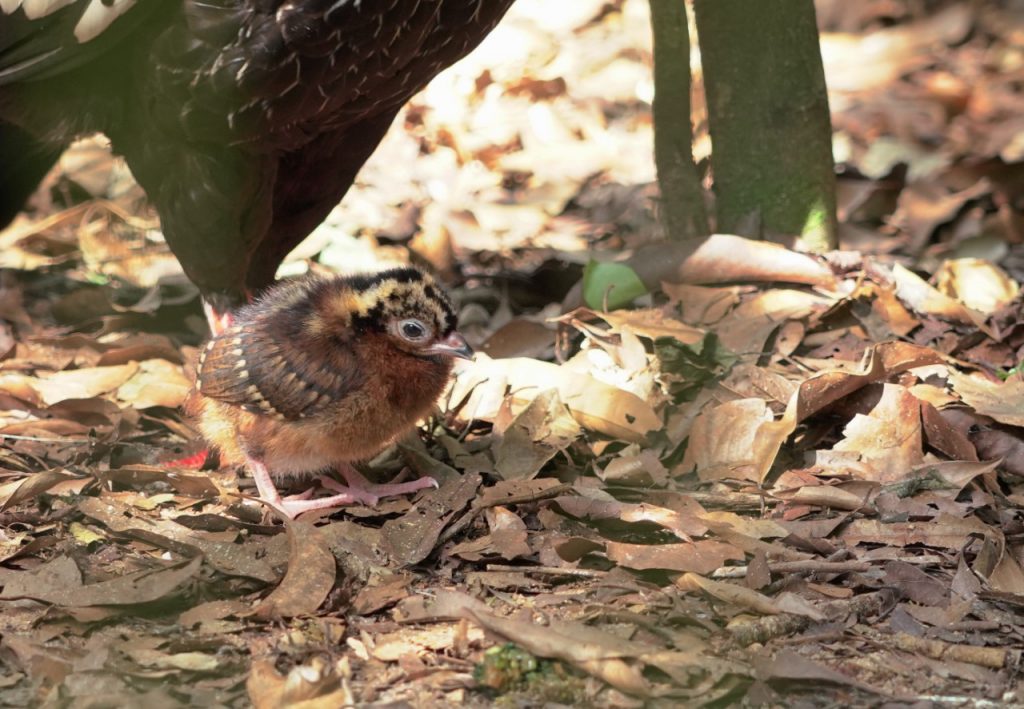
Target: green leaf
610	285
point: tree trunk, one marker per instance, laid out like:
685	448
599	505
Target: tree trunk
768	117
682	204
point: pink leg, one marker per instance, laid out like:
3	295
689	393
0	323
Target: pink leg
369	493
360	490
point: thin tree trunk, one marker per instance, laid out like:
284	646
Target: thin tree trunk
682	204
768	117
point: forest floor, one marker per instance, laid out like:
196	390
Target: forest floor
771	479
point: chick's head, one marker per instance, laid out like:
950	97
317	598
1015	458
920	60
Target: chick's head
404	305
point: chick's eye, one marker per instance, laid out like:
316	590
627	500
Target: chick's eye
413	329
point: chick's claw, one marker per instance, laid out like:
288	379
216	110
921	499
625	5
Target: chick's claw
293	507
369	493
359	491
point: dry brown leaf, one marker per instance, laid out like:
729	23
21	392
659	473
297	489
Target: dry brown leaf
684	524
595	405
641	468
14	493
889	438
748	326
829	496
942	435
944	531
702	556
156	383
534	437
978	284
727	441
596	653
82	383
999	400
1007	577
923	298
720	520
703	305
59	583
875	59
730	593
519	338
891	311
725	258
310	576
645	322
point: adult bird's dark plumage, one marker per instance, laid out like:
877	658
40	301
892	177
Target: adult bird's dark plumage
245	121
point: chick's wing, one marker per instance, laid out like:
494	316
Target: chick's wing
275	377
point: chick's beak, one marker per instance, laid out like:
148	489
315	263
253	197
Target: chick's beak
454	345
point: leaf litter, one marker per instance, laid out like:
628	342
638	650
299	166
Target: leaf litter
768	477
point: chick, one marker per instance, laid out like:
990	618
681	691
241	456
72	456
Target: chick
318	373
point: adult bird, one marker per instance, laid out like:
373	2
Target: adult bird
245	121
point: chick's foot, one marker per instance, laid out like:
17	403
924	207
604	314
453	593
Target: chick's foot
369	493
359	490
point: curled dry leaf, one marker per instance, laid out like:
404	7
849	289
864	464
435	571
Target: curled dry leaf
923	298
943	436
641	468
726	441
81	383
880	362
721	521
875	58
411	538
889	439
703	556
247	559
534	437
725	258
945	531
683	524
310	576
978	284
596	653
748	326
999	400
703	305
59	583
156	383
595	405
829	496
730	593
14	493
651	323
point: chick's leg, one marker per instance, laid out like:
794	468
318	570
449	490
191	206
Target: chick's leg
293	505
264	483
360	490
369	492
